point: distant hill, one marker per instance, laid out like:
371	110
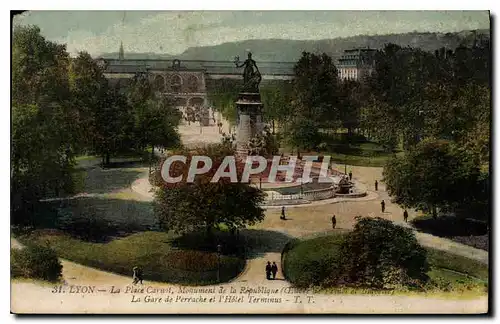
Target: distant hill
290	50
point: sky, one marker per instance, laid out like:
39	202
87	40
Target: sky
172	32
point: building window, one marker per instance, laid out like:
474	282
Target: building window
175	83
193	83
159	83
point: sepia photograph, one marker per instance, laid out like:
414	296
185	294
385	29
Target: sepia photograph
250	162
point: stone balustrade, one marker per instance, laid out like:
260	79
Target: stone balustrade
310	195
319	194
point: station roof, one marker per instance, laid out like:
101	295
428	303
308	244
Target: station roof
210	67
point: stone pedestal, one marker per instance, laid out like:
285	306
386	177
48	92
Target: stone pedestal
249	120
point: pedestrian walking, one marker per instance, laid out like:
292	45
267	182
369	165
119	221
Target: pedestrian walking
405	216
274	270
268	270
382	204
376	185
283	216
350	175
137	275
334	222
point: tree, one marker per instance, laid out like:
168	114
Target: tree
156	125
413	94
223	95
89	89
155	117
396	91
114	124
39	167
477	141
379	119
350	103
315	87
303	134
452	111
434	174
276	98
39	68
378	253
43	132
202	205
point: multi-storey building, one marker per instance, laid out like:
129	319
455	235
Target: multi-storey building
355	64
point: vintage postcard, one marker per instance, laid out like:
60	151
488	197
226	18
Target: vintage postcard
245	162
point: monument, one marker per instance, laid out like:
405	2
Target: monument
249	106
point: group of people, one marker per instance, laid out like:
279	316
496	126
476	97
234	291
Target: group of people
405	212
219	126
271	270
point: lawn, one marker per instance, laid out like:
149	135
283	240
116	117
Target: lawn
368	161
155	252
447	261
449	272
360	154
357	151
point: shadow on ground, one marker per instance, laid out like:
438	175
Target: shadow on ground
96	219
463	230
248	243
447	226
259	242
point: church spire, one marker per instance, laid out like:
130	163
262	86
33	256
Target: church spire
121	54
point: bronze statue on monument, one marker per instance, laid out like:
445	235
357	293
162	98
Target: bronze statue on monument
249	106
251	74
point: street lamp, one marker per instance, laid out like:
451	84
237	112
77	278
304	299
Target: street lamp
151	159
219	249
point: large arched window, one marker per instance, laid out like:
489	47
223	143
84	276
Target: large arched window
193	83
175	83
159	83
